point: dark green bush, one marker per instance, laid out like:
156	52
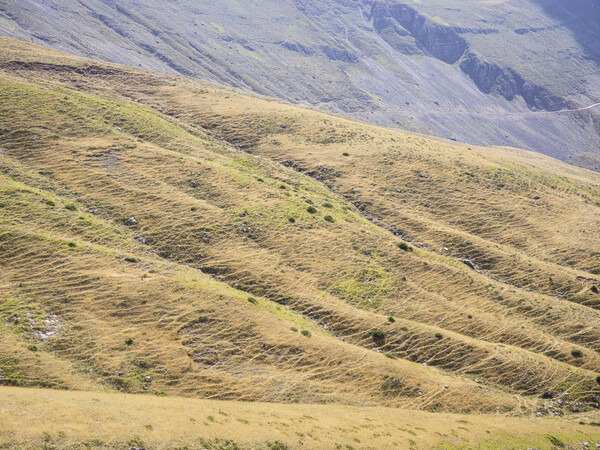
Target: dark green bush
294	329
194	208
306	333
129	341
252	300
555	441
576	353
329	219
311	209
71	207
309	201
594	289
598	379
404	246
32	348
292	220
346	154
260	180
438	335
2	204
327	205
378	334
72	244
391	319
50	203
131	259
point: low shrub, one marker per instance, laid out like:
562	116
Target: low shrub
71	207
129	341
327	205
438	335
594	289
50	203
131	259
404	246
391	319
311	209
576	353
378	334
252	300
294	329
306	333
329	219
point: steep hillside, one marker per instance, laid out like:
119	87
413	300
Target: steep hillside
144	249
483	72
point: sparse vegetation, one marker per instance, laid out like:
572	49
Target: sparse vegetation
191	317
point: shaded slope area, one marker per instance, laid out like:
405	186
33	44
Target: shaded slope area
154	199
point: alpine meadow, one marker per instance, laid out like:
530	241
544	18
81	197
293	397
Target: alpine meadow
225	259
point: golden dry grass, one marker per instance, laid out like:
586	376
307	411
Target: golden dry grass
213	229
100	420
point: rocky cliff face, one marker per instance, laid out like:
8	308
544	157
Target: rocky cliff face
440	41
492	79
396	22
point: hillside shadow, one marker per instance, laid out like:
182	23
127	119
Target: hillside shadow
582	18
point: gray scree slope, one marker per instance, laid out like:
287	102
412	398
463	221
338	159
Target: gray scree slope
516	72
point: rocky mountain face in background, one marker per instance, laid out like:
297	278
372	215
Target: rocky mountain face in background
493	73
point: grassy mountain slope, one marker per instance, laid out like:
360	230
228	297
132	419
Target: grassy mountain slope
151	241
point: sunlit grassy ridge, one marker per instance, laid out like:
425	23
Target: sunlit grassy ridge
143	251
